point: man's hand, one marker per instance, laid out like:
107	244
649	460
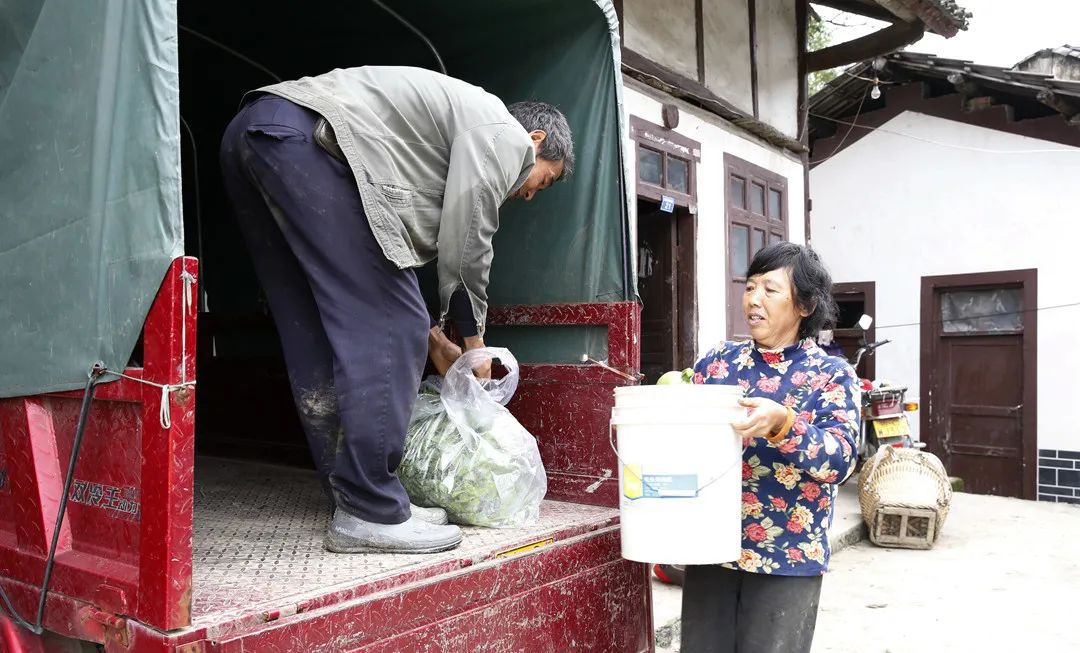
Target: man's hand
766	417
482	371
443	353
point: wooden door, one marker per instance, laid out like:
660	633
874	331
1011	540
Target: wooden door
978	397
658	290
667	286
853	300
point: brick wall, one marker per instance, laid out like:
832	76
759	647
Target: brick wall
1059	476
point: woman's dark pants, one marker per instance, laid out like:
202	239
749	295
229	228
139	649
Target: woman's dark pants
728	611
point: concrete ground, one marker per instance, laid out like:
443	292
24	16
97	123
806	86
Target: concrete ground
1002	577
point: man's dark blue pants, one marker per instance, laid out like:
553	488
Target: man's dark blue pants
353	326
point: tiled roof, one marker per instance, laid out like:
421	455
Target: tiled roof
944	17
1037	92
941	15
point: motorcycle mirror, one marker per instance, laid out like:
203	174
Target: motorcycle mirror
865	322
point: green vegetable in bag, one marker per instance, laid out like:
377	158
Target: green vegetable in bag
466	453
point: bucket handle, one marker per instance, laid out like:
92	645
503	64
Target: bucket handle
626	467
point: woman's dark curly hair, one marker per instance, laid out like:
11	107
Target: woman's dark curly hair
813	283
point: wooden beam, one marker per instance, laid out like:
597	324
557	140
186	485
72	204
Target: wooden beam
1065	107
964	85
973	96
699	24
802	22
932	15
801	26
877	12
751	12
652	74
979	103
880	42
1030	109
934	88
648	71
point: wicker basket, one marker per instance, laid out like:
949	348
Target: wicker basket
904	495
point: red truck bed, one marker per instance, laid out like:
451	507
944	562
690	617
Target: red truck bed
162	552
262	581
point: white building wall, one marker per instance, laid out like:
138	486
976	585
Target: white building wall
664	32
727	51
778	67
717	137
892	209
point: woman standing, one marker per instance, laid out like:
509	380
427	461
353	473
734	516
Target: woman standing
799	438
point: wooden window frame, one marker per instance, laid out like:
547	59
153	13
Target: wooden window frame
668	143
734	166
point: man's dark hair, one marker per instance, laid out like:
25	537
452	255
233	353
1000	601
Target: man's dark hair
559	143
812	282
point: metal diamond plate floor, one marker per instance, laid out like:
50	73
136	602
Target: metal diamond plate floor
258	540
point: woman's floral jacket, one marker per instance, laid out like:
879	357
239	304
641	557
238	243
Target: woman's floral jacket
789	487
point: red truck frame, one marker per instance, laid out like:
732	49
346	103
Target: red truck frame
124	569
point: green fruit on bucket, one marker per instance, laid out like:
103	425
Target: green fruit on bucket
676	377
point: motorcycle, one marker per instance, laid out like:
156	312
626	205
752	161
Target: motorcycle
884	410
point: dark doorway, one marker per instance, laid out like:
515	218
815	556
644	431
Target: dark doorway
854	300
978	374
667	288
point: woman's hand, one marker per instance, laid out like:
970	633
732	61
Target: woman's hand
765	418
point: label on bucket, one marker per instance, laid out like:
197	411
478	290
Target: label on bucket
639	485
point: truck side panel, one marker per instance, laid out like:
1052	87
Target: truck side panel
125	543
568	407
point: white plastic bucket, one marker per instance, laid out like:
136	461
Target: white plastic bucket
680	479
673	397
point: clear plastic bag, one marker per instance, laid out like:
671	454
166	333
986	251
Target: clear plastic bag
466	453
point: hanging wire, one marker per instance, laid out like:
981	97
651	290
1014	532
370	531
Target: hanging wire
234	53
840	145
414	30
979	317
203	291
203	299
872	80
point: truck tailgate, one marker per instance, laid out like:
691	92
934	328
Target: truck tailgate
262	581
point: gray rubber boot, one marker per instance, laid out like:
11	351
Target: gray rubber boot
435	516
349	534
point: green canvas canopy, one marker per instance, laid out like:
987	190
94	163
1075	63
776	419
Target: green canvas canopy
112	112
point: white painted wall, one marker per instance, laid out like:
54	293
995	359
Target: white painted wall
892	209
727	51
665	32
716	137
778	71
